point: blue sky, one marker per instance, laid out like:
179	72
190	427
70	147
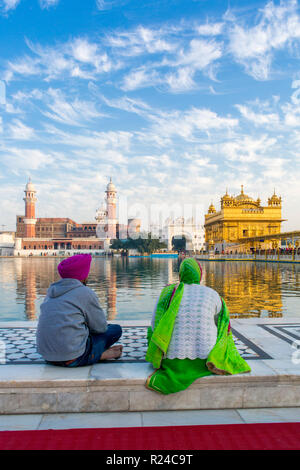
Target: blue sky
177	100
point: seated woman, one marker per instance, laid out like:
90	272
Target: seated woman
190	335
72	329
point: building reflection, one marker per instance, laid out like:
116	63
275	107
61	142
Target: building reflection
249	289
33	277
30	295
129	287
111	289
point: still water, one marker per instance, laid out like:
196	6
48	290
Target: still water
128	287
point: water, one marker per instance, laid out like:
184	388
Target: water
128	287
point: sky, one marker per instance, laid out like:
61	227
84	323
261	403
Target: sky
176	100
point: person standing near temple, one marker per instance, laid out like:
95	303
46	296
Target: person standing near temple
72	328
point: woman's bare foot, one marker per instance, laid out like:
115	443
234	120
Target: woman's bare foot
112	353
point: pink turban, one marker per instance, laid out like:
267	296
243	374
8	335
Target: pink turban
75	267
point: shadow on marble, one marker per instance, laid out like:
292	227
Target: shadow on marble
270	415
190	417
20	422
42	372
90	420
121	371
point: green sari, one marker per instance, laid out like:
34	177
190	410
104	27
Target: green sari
174	375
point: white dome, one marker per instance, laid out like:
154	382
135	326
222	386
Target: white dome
29	186
111	186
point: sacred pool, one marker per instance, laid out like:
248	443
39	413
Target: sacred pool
128	287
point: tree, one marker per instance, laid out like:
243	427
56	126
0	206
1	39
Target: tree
117	245
142	245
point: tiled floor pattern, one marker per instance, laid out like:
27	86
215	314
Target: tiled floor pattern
18	346
289	332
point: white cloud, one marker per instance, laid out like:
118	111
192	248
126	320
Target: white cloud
26	159
23	96
105	5
188	123
141	78
247	149
255	46
96	143
200	54
130	105
7	5
291	109
25	66
210	29
75	113
17	130
45	4
142	40
86	52
181	69
259	119
182	79
75	58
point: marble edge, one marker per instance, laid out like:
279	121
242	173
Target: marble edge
146	323
33	324
103	383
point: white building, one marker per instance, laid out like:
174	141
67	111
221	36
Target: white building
7	243
178	228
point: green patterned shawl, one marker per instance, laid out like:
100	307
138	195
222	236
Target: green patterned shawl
167	309
174	375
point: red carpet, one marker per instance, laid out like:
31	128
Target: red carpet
280	436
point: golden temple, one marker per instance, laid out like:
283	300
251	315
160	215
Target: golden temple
241	218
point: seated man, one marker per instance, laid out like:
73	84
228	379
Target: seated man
72	329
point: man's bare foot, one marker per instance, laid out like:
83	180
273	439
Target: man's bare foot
112	353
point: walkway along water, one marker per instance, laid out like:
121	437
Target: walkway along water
267	255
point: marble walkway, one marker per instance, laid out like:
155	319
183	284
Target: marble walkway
114	392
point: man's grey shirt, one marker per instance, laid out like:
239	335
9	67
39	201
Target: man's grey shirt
69	312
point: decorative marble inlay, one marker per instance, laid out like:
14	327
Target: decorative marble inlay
289	332
17	346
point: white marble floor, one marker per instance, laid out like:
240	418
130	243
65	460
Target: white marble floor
150	418
18	345
276	370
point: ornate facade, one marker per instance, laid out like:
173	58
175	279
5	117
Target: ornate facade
240	218
179	228
46	235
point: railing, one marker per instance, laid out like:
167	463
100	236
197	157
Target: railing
251	256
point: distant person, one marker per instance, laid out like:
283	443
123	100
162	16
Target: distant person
72	329
190	334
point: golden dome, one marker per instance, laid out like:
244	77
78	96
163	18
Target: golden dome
243	197
211	209
226	196
274	199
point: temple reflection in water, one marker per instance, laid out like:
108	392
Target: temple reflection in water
249	289
128	288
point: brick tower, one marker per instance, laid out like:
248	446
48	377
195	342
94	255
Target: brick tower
30	200
111	204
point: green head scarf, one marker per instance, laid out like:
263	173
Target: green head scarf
167	308
190	271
